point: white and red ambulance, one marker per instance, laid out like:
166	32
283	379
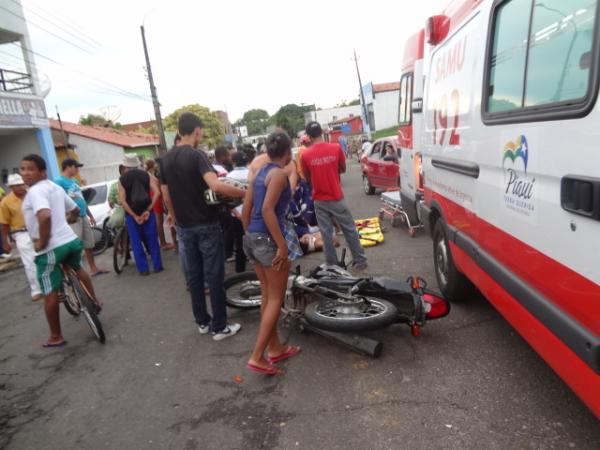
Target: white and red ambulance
510	144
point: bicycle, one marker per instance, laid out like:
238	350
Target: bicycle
77	300
121	250
102	239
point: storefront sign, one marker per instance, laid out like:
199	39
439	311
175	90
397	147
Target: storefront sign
22	112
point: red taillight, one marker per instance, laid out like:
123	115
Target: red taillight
438	306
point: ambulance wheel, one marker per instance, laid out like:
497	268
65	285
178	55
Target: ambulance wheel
453	284
368	188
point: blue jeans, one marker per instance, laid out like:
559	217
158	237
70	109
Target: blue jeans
205	258
147	234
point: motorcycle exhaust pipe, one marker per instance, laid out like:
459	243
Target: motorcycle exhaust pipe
359	344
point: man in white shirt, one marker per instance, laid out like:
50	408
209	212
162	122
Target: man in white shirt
45	209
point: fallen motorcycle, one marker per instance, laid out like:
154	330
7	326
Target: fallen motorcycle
331	299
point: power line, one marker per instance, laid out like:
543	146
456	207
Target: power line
68	22
84	41
106	84
45	29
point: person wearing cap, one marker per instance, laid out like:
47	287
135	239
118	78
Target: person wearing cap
322	165
83	226
138	193
13	229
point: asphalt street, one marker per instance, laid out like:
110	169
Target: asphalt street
468	382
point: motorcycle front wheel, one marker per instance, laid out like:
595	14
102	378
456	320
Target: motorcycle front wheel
361	314
242	291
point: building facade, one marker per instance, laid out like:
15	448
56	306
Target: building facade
326	116
382	102
101	149
24	126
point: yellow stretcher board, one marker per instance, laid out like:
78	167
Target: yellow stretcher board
369	231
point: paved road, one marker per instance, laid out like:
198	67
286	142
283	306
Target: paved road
469	382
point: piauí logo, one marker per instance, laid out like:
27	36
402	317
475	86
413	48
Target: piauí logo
515	150
519	190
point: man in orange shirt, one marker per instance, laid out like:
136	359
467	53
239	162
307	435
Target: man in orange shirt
304	144
12	225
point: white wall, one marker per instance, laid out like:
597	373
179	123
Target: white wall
385	107
13	148
100	160
325	116
10	22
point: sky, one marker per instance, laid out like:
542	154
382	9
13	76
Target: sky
230	55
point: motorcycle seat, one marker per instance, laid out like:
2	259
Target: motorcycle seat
393	284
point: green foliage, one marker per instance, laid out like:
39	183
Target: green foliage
356	101
256	120
214	132
96	120
386	132
291	118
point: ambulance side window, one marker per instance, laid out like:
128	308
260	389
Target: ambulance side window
562	34
541	55
508	56
405	107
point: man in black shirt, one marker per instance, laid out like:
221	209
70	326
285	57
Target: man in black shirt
137	194
186	174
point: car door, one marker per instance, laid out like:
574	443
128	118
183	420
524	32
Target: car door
374	165
390	170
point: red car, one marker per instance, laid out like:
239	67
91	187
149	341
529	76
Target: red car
380	165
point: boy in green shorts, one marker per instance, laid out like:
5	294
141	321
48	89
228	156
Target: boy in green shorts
45	209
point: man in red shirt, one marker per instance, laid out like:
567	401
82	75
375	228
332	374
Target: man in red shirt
322	163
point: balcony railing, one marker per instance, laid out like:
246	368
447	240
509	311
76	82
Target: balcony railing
12	81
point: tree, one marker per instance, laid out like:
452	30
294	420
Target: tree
214	131
291	118
96	120
356	101
256	120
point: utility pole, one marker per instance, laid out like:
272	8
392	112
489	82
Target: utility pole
162	149
62	131
367	127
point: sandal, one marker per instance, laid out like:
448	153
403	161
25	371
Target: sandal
289	352
269	371
57	344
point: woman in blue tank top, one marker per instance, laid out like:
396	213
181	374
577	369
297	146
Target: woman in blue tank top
264	243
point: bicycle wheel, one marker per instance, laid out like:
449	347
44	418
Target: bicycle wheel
68	297
88	308
101	240
121	250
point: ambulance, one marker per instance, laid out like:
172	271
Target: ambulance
506	121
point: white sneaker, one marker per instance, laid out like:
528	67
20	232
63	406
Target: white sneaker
203	329
229	330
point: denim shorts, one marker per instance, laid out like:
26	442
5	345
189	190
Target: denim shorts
260	247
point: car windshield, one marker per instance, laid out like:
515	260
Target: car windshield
95	195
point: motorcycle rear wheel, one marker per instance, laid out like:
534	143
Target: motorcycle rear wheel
365	314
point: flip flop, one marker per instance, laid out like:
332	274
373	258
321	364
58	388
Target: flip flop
58	344
100	272
270	371
290	352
